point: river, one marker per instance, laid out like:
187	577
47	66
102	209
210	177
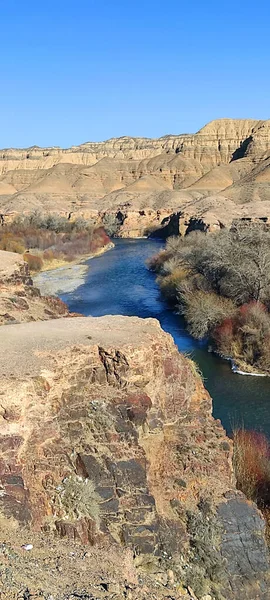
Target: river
118	282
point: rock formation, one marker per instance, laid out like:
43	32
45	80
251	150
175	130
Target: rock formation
107	440
20	301
220	173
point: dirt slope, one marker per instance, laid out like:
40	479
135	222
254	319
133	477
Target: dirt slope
227	157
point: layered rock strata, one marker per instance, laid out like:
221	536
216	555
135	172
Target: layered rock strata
107	439
220	173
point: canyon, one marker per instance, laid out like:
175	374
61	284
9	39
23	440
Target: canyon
112	466
204	180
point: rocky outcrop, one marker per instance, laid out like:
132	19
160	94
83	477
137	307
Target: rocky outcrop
220	173
20	301
135	224
219	139
107	439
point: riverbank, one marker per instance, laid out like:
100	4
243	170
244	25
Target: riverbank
51	265
66	277
118	282
239	367
243	368
223	294
20	301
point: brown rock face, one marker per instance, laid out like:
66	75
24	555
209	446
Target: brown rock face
107	438
20	301
217	174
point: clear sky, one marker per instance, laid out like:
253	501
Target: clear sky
78	70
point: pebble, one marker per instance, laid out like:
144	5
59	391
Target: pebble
114	588
170	576
27	546
161	578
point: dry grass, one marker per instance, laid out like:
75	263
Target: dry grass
252	465
77	498
34	262
52	239
220	283
196	370
10	243
171	282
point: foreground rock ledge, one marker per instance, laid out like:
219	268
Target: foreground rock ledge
107	439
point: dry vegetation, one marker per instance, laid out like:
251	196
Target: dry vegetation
221	285
252	466
252	469
49	239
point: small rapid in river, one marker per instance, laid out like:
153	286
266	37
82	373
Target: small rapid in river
118	282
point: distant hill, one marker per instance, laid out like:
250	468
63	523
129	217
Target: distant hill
219	173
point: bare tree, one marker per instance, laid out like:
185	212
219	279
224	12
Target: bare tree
204	311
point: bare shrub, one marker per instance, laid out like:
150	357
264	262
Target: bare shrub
77	498
252	326
220	282
155	263
252	465
111	223
224	335
12	243
170	284
204	311
174	244
34	262
57	237
236	263
171	265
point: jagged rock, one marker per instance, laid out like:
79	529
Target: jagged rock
20	301
243	547
78	455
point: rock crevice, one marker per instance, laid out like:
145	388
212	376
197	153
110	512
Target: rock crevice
111	439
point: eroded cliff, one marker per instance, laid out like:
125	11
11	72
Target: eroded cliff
217	174
107	439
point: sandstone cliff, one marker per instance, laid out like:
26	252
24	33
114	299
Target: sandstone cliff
218	174
107	439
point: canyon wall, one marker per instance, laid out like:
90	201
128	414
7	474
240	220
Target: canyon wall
218	174
218	139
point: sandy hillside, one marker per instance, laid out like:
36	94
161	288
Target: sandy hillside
228	160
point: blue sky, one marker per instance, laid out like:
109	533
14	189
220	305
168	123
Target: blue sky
73	71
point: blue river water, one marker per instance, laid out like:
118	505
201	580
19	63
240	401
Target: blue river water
118	282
